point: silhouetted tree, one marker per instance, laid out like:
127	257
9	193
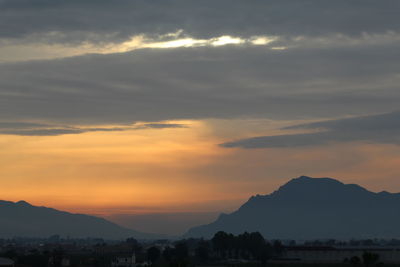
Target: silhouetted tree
370	258
153	254
181	251
11	253
168	254
368	242
355	260
203	251
177	256
277	247
246	246
221	243
330	242
264	253
34	259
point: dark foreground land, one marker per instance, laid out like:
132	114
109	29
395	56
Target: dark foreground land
313	265
244	250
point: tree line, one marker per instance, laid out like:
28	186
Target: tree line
223	246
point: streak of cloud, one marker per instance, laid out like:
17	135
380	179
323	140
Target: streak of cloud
38	129
383	128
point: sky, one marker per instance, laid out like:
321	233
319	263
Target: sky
161	114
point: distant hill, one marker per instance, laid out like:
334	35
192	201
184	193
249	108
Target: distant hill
308	208
24	220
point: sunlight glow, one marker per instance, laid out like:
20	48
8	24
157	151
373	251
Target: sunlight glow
263	40
279	48
225	40
11	52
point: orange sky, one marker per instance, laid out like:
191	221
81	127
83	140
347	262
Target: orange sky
140	168
174	169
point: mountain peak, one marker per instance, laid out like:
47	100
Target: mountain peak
306	184
23	203
312	208
305	179
306	188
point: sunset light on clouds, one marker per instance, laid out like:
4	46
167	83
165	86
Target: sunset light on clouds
191	107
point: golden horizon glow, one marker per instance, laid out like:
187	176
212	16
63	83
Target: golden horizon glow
148	170
108	169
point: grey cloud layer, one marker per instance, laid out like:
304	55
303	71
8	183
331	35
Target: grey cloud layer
345	63
224	82
384	128
39	129
103	20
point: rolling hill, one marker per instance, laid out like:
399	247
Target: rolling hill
21	219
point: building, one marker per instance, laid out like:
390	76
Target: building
126	261
59	261
308	254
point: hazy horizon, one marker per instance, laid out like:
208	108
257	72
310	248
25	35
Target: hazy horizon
178	224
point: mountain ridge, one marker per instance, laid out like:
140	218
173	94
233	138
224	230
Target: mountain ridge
307	208
22	219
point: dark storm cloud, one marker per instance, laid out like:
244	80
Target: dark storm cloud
190	83
383	128
82	20
39	129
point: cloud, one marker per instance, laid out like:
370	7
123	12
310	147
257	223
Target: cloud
39	129
203	82
100	20
163	125
329	59
49	29
383	128
21	125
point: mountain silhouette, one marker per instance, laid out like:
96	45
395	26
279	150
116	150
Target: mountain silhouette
310	208
21	219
